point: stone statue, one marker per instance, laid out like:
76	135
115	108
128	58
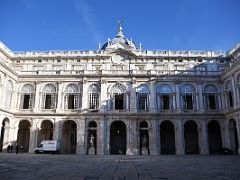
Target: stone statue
92	138
144	141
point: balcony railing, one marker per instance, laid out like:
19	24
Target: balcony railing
120	72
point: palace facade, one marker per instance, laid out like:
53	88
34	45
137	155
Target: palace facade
121	99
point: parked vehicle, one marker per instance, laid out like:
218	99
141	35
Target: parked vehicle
47	146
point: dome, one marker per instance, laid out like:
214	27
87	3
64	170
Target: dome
119	41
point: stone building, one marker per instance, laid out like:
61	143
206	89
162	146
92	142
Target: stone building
121	99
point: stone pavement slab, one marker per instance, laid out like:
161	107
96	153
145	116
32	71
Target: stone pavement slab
61	167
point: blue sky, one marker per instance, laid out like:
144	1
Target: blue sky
82	24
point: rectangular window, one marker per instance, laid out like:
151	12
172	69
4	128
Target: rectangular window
26	101
71	102
211	102
48	101
119	101
165	102
143	101
230	98
93	101
188	102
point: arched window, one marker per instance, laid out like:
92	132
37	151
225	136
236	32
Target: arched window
211	95
229	94
93	97
164	97
72	97
118	95
8	94
27	97
142	97
188	97
49	97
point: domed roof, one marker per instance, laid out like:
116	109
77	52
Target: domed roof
119	41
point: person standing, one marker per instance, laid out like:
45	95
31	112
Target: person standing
8	148
16	148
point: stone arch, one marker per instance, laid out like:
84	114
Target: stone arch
164	88
118	97
214	137
191	137
4	138
118	137
167	137
233	137
69	137
46	130
144	138
24	134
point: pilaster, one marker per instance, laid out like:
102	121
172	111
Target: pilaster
179	138
81	149
204	138
154	137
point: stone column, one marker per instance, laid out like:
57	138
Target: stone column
154	137
37	98
235	100
132	147
59	97
103	97
152	97
179	136
238	132
133	97
85	95
225	134
178	102
107	136
32	138
100	137
200	96
81	148
203	138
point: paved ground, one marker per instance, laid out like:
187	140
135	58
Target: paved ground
47	166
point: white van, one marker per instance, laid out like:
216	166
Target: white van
48	146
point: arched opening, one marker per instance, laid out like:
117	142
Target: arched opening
119	97
27	97
214	137
72	97
92	138
4	133
191	138
93	97
144	138
233	136
142	94
69	137
118	138
165	97
46	132
24	135
167	135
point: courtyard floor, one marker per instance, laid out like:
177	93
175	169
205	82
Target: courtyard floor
167	167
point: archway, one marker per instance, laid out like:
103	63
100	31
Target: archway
69	137
4	134
233	136
167	135
214	137
92	138
191	138
144	138
118	138
46	132
24	135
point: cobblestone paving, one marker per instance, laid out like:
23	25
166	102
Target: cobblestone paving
47	166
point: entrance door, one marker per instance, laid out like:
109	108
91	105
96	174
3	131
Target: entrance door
118	138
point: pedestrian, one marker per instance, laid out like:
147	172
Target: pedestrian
8	148
11	148
16	148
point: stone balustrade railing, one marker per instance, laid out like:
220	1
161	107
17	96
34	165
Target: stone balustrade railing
120	72
164	53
